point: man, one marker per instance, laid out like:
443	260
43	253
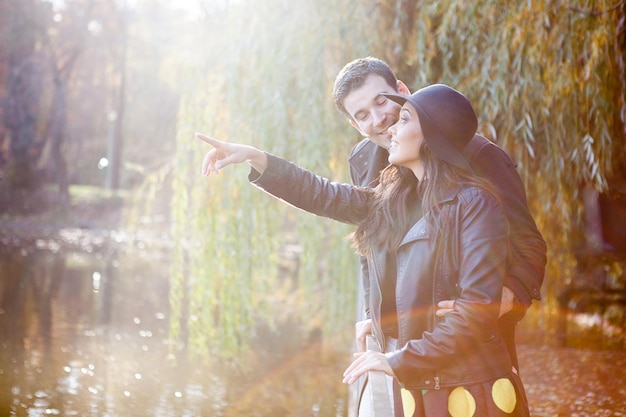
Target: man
356	94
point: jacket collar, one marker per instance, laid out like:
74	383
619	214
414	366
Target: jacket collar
366	161
420	229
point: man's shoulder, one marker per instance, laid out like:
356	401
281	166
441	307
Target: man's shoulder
479	144
366	161
482	153
364	146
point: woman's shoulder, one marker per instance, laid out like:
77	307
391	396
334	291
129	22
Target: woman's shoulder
472	193
480	207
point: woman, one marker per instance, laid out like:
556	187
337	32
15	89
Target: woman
443	233
458	365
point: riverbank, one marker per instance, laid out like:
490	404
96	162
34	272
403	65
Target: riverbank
101	329
94	217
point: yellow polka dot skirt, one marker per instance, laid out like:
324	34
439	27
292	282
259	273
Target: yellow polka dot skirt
503	397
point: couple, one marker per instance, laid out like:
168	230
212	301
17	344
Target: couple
431	229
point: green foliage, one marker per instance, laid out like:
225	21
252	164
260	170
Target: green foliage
264	80
542	76
545	80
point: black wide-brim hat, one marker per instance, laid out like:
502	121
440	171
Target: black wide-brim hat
447	119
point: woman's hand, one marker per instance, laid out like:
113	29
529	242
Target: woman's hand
224	153
364	362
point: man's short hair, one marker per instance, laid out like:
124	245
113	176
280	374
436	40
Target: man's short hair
353	76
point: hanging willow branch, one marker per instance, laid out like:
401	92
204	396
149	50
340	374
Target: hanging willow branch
595	13
548	87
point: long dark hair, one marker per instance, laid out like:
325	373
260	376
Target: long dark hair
400	200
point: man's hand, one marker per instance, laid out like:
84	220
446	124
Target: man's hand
506	304
444	307
362	329
224	153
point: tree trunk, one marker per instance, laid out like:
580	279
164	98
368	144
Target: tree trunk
56	136
23	92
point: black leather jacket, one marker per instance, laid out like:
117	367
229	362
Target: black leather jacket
527	255
465	346
366	161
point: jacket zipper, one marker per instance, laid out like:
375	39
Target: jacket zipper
434	314
438	268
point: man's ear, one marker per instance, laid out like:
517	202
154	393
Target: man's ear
402	88
354	125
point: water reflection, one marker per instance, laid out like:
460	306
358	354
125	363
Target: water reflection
80	335
86	334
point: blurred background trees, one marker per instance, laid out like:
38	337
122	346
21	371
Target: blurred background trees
109	94
67	85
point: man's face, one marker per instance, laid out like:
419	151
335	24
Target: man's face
371	113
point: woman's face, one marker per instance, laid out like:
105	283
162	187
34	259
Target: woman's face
406	141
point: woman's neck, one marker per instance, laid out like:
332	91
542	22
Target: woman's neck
418	170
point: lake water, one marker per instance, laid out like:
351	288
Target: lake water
86	333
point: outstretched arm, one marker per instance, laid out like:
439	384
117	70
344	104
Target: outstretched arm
289	182
224	154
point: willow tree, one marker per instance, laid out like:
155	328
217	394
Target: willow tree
547	81
263	75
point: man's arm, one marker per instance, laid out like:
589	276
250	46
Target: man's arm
526	267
